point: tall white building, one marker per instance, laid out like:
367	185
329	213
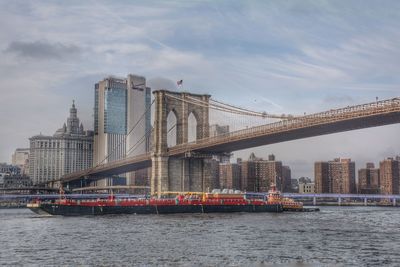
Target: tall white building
20	158
70	149
121	121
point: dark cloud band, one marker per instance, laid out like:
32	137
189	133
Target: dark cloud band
42	50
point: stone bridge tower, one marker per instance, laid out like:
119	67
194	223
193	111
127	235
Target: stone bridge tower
177	173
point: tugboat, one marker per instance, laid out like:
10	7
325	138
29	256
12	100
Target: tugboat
189	202
288	204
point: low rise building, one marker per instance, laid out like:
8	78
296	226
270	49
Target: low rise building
306	188
16	181
9	169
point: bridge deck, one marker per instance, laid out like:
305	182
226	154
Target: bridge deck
338	120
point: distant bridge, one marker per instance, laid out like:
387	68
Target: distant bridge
23	190
339	197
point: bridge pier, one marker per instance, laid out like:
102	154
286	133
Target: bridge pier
185	174
178	173
339	201
365	201
314	201
394	202
159	175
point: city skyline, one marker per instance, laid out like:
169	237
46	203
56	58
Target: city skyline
289	70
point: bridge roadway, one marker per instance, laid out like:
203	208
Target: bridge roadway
333	121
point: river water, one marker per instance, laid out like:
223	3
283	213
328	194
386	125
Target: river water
335	236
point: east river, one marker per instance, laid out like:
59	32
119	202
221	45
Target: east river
335	236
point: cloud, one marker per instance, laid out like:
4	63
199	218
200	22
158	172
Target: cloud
281	57
42	50
157	83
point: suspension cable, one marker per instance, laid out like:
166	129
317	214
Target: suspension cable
140	141
123	141
205	105
243	110
219	107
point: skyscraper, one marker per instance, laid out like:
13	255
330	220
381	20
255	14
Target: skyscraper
342	176
229	175
268	172
368	180
337	176
389	176
211	174
249	180
258	174
121	120
321	177
286	179
70	149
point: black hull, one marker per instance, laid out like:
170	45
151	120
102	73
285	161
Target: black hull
75	210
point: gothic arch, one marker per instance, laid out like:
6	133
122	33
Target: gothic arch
192	127
172	136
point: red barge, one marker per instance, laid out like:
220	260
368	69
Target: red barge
181	203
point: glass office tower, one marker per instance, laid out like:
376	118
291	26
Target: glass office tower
121	121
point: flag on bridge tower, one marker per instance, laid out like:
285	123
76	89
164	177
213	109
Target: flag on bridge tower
179	83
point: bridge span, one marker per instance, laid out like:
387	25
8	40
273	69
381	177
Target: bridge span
373	114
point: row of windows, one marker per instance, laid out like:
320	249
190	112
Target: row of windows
58	144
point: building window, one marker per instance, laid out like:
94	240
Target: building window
115	111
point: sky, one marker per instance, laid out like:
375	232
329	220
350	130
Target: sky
274	56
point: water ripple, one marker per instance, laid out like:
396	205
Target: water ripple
346	236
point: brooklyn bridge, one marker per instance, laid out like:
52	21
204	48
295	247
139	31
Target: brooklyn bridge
183	163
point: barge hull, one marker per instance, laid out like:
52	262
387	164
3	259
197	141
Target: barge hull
78	210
